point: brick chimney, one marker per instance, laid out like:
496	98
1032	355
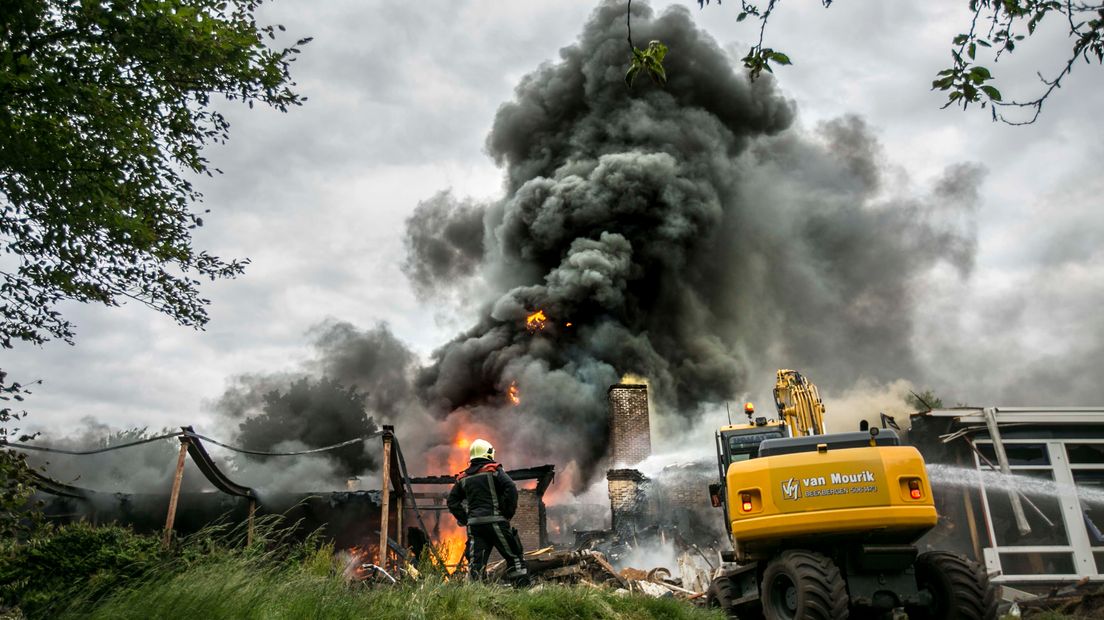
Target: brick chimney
628	500
630	432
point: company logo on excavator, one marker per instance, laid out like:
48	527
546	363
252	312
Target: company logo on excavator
791	489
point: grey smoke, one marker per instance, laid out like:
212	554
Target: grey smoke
689	233
446	236
357	380
147	468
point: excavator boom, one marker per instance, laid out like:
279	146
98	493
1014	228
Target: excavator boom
798	403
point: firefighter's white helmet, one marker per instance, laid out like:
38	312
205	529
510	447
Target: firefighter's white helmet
481	449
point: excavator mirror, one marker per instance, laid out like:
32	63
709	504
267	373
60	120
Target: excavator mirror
864	425
760	421
715	494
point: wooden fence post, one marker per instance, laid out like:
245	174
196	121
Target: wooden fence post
252	514
175	495
385	488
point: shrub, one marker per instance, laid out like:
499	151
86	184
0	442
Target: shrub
55	565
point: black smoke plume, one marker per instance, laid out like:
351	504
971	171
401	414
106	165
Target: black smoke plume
688	233
356	381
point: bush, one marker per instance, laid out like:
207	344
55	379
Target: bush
56	565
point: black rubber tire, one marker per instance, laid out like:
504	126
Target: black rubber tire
959	586
803	585
721	594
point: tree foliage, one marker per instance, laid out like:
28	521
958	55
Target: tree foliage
105	107
995	29
316	413
924	401
15	475
648	60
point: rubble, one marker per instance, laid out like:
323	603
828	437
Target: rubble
1083	599
591	568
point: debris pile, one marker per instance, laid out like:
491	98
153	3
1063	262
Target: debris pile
1080	600
588	567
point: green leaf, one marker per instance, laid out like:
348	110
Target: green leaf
971	51
630	75
780	58
943	84
993	93
979	74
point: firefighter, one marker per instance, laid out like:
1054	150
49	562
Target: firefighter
484	500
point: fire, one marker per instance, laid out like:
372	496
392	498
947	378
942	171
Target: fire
535	322
514	393
452	548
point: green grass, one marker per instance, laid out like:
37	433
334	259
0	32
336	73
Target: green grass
239	587
84	571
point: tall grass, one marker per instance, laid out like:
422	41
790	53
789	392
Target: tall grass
240	587
214	575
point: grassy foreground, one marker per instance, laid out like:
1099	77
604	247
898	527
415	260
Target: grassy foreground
86	571
236	588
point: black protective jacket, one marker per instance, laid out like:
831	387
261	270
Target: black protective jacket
483	493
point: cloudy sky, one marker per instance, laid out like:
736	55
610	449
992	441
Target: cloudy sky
401	99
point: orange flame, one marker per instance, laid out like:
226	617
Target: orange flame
453	548
535	322
514	393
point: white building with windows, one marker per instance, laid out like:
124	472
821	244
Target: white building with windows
1019	489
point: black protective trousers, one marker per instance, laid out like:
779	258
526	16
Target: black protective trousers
485	537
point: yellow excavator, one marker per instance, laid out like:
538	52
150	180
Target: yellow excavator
823	525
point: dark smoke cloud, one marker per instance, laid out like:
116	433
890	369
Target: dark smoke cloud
688	233
444	242
373	361
357	380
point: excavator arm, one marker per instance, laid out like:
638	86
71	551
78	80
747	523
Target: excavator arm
798	403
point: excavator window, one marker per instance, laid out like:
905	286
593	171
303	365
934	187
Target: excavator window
746	446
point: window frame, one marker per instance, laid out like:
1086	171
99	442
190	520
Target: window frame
1080	545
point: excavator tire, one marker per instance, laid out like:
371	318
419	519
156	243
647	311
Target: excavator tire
803	585
721	594
959	587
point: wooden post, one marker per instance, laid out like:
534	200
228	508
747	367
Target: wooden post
252	514
385	488
175	495
399	538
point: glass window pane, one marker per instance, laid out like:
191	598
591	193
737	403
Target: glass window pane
1038	486
1085	452
1090	490
1037	563
1018	453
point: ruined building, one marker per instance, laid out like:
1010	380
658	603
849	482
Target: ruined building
676	498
